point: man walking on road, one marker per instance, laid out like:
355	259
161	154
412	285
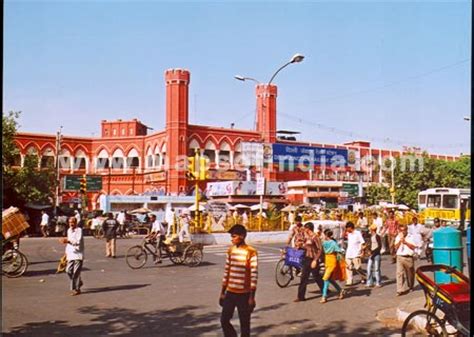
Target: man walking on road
74	255
44	223
239	283
392	229
355	246
311	261
405	245
110	232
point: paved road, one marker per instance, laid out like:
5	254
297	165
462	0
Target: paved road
169	300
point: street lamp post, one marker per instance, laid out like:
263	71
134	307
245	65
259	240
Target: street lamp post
58	151
297	58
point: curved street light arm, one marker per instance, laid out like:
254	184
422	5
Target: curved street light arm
283	66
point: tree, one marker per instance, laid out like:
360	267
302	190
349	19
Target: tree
376	193
27	184
422	172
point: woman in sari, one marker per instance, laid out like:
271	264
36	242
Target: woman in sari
335	268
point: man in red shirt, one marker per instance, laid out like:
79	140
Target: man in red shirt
392	230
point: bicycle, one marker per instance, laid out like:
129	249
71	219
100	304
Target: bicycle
179	253
451	299
14	262
287	268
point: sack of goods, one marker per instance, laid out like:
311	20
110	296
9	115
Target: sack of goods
13	222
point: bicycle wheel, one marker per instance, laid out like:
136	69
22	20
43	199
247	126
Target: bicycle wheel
22	268
283	274
192	256
136	257
11	262
423	323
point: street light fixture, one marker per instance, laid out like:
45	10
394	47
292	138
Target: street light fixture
467	118
297	58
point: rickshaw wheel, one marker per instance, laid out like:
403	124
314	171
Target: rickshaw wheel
423	323
193	256
14	263
283	274
177	258
136	257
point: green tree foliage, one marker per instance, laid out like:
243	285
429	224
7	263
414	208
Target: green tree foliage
27	184
416	173
376	193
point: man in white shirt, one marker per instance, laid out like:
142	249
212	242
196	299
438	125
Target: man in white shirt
355	246
405	245
362	222
171	220
420	232
184	231
74	255
157	233
44	223
77	215
415	227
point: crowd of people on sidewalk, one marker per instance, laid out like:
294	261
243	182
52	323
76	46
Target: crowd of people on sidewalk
343	259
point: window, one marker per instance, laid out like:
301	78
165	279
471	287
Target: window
114	132
123	132
117	163
434	201
131	132
450	201
102	163
133	161
422	199
81	163
47	161
150	161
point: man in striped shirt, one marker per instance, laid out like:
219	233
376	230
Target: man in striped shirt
239	283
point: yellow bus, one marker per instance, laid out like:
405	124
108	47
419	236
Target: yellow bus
450	204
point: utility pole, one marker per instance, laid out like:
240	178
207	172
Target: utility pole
57	166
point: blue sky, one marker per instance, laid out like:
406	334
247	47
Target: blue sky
394	73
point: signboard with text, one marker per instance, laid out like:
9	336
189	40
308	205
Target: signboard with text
298	154
73	183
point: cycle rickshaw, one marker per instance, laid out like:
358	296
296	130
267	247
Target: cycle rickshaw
14	262
447	305
187	253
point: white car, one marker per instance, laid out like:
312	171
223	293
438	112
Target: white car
337	227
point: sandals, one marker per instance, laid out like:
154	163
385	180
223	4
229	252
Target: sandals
323	300
341	294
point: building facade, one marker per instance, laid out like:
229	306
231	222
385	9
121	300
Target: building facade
132	161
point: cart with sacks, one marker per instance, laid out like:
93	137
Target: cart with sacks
14	262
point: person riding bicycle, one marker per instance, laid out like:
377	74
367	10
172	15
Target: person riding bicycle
296	238
157	234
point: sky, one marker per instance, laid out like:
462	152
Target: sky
392	73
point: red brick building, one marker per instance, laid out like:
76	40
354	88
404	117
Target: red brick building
131	161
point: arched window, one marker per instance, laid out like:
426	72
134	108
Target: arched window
210	151
80	160
163	155
103	160
64	159
47	159
193	145
133	159
224	154
118	160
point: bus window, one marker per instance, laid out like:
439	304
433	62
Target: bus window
434	201
421	199
450	201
